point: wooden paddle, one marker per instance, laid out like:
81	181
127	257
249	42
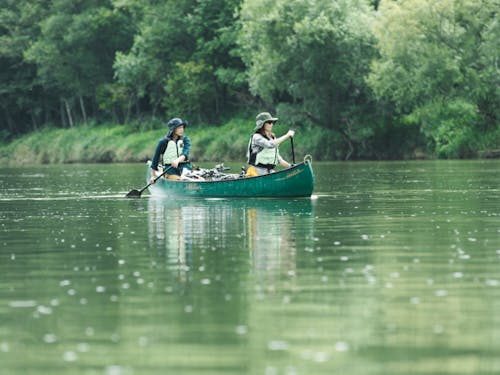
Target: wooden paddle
134	193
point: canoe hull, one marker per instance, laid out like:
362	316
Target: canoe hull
297	181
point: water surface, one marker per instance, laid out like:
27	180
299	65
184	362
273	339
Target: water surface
390	268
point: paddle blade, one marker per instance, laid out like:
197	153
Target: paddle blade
134	193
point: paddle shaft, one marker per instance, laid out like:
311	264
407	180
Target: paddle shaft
137	193
293	151
156	179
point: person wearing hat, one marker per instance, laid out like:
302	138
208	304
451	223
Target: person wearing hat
263	155
172	151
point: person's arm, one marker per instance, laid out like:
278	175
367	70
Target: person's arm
175	163
263	142
160	149
279	140
186	149
283	162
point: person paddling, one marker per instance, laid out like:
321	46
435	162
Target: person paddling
263	154
172	151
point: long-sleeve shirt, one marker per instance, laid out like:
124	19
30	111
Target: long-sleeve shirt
162	146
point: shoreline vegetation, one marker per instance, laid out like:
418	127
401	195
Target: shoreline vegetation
358	80
111	143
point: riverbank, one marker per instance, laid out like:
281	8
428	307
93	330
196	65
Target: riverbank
111	143
118	143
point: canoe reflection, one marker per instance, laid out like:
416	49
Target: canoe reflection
270	231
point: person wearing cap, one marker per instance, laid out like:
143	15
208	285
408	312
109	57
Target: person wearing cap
263	154
172	151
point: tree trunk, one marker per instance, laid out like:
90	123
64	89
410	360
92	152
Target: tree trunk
33	121
82	106
68	112
155	106
61	113
348	136
129	109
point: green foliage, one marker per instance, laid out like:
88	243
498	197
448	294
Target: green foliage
90	143
189	89
308	59
161	40
111	143
447	125
115	99
438	64
363	79
71	52
20	94
55	52
181	59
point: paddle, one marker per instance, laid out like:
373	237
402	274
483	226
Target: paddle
134	193
293	152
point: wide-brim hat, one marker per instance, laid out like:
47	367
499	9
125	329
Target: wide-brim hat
175	123
262	118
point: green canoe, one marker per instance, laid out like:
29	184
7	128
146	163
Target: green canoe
297	181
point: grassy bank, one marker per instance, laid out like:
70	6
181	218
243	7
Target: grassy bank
117	143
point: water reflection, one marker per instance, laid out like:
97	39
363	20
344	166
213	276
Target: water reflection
263	229
392	270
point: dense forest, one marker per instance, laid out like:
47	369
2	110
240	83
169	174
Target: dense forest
368	79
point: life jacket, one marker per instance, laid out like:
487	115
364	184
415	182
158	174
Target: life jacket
173	150
262	157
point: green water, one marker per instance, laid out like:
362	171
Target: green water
390	268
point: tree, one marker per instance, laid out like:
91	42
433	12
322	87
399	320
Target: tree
215	29
75	50
309	60
439	64
181	57
20	104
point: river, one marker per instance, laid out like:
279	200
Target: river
389	268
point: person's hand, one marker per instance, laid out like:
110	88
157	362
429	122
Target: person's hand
290	133
153	176
175	163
